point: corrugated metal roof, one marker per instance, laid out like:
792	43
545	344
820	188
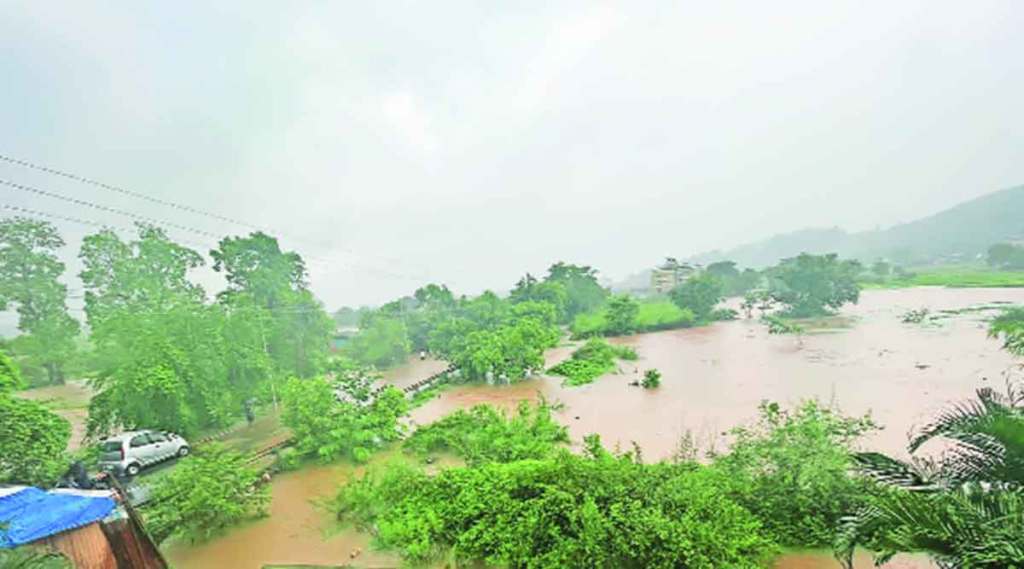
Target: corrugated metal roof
31	514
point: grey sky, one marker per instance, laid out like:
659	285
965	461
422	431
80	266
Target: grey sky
468	143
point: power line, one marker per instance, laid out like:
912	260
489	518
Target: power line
120	190
105	208
186	208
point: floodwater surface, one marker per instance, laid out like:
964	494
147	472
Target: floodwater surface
713	379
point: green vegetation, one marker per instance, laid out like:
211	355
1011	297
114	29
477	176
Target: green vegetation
1009	326
167	359
329	420
781	326
966	509
699	294
33	439
29	273
484	434
211	490
565	510
953	276
26	558
593	359
652	379
621	313
791	470
651	315
813	285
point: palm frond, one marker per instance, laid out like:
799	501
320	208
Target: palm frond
890	471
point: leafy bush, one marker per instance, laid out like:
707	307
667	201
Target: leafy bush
328	423
724	314
204	494
562	511
591	360
792	470
914	316
652	379
483	434
33	442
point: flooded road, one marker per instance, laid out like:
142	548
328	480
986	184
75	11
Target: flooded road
713	378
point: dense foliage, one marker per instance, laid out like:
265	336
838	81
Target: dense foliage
168	359
621	312
699	294
966	509
343	418
204	494
792	470
29	273
484	434
33	439
562	511
591	360
811	285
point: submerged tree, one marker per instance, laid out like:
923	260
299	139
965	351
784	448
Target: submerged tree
811	285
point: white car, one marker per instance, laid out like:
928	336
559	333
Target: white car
132	451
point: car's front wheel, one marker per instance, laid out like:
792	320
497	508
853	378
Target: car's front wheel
132	470
183	452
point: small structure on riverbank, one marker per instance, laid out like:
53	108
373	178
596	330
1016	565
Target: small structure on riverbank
94	529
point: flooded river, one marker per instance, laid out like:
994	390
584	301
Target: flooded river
713	379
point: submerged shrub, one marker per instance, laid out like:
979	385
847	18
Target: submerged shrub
562	511
591	360
484	434
792	469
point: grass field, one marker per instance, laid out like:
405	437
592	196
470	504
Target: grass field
956	276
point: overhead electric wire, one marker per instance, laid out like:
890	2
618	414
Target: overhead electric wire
108	209
186	208
120	190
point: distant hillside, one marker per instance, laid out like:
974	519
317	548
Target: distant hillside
959	233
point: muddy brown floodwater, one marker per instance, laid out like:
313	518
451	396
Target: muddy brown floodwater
713	378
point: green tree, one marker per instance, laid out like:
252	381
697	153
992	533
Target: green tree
1010	327
881	269
529	289
204	494
29	273
699	294
33	439
781	326
811	285
583	292
791	469
1006	256
621	314
384	342
262	276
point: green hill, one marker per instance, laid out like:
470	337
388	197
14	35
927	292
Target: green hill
960	233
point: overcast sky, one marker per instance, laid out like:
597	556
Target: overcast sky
462	142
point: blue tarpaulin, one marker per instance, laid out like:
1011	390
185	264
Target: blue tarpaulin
32	514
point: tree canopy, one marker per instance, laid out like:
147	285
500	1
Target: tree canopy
811	285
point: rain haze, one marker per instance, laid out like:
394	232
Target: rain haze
465	143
